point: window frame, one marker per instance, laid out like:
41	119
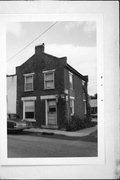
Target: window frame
29	75
73	105
84	101
24	116
83	82
53	80
71	75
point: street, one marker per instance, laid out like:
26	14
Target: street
27	144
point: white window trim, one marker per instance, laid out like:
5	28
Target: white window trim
71	97
29	98
85	110
27	75
83	82
48	97
46	111
84	97
28	119
49	71
70	73
73	109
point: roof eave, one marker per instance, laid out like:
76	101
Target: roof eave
85	78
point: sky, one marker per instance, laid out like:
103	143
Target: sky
75	40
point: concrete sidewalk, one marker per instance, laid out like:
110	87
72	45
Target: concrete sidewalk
80	133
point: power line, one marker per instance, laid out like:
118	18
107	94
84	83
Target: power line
33	41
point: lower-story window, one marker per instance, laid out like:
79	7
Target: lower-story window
85	110
29	109
71	106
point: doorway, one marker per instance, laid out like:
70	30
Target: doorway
52	112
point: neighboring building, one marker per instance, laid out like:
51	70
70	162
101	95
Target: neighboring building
93	107
50	91
11	93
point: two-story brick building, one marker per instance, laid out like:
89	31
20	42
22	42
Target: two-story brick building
50	91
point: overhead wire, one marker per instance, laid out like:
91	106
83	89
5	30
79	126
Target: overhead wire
32	41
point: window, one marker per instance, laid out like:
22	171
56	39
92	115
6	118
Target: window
28	86
49	79
83	82
71	80
84	100
85	109
71	106
29	109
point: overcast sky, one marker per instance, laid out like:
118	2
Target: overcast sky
76	40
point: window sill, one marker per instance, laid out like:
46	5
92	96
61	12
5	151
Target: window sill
28	90
48	88
30	120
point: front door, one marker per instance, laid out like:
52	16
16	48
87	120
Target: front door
52	112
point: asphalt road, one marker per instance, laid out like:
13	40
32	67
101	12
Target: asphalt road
38	145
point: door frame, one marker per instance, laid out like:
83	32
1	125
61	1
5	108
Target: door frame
46	104
46	98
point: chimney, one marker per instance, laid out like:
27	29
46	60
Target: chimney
39	49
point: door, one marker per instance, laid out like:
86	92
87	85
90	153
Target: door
52	112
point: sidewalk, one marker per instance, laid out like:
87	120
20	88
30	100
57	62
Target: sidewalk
80	133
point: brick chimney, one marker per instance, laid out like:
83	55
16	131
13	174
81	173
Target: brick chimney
39	49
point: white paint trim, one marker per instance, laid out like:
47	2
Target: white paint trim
66	91
31	120
47	71
70	73
29	74
48	97
71	97
24	108
47	123
73	105
71	78
28	98
46	112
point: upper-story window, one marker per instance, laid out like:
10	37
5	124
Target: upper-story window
28	82
71	80
49	82
83	82
72	106
84	98
84	101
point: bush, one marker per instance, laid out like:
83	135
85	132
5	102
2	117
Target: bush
76	123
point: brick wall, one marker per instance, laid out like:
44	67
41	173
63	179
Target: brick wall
37	64
77	92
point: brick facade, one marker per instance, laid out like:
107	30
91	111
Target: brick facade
39	63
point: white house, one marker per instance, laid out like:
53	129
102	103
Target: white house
11	93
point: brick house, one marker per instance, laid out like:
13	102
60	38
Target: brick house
50	91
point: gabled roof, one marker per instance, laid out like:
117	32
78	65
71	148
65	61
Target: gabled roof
10	75
39	50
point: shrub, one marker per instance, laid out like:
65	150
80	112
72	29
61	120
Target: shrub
76	123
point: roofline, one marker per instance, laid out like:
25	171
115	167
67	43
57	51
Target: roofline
11	75
85	78
59	58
